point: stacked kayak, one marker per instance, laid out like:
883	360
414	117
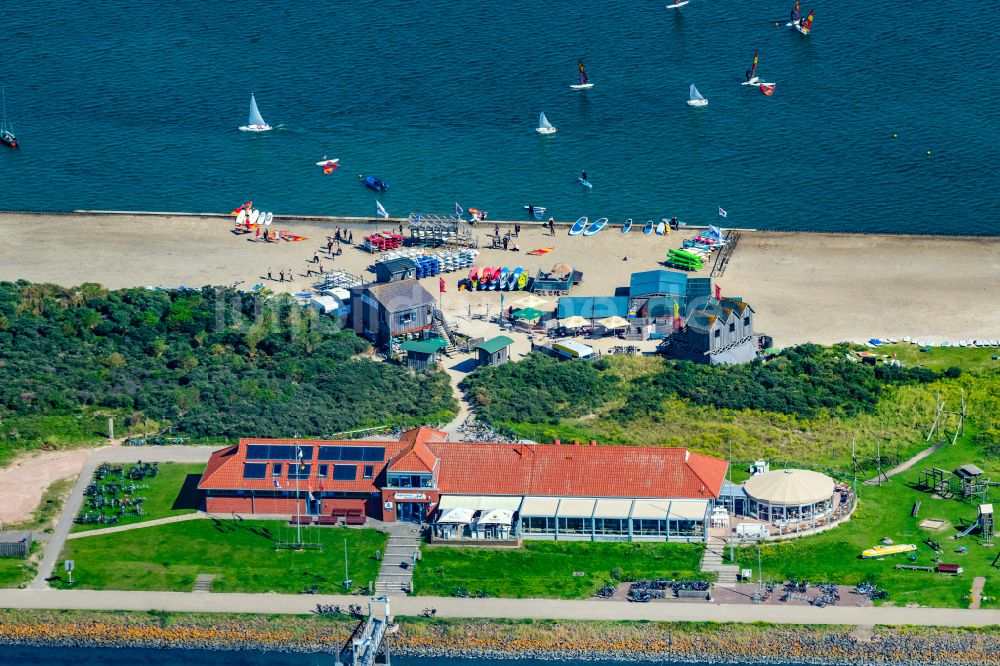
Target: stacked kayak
684	260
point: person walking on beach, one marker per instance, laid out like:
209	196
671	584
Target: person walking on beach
552	226
506	241
496	230
291	275
320	268
315	257
350	237
270	276
281	276
257	230
517	231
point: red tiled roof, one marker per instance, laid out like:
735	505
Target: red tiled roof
416	457
501	469
581	471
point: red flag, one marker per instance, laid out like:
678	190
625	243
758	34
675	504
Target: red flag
441	285
718	293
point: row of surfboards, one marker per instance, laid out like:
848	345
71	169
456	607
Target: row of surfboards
496	278
584	227
253	216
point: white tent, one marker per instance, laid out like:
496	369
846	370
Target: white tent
613	322
496	517
456	516
574	321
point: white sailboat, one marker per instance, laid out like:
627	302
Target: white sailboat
544	126
695	98
256	122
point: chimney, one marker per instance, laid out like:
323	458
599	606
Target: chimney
556	441
576	442
593	442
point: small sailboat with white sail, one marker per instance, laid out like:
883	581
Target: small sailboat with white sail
584	83
695	98
256	122
544	126
7	137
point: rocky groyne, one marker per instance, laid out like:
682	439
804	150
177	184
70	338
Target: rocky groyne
490	639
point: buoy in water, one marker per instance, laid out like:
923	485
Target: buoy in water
894	135
928	152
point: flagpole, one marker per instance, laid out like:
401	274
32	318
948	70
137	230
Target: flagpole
298	518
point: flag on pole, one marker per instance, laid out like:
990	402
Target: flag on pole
277	484
441	285
380	211
723	213
298	456
714	232
458	210
718	293
677	310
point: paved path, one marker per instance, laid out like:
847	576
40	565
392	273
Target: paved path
109	454
395	575
903	466
198	515
978	583
500	608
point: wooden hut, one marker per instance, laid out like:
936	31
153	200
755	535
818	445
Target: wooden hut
495	351
422	354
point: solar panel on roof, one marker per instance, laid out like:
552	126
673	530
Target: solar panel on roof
277	452
254	470
345	472
352	453
299	471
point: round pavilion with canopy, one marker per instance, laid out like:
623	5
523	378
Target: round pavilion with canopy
790	495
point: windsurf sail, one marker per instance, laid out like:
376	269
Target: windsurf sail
583	74
767	88
798	12
255	117
753	68
543	122
807	24
694	94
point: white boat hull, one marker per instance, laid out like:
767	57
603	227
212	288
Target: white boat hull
325	162
545	130
582	86
255	128
697	102
678	4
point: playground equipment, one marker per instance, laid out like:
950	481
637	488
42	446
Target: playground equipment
882	551
935	480
951	416
984	521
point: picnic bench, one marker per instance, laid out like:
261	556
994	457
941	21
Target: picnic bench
300	520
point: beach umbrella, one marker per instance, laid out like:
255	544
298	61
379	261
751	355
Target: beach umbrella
613	322
528	314
575	321
530	301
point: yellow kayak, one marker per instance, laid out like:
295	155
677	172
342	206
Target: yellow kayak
881	551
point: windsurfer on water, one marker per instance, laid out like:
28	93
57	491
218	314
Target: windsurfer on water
748	74
583	176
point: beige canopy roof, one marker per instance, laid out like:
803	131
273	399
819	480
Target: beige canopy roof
613	322
790	487
496	517
574	321
529	301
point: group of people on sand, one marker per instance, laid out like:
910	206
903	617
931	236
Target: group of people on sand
281	275
314	266
507	241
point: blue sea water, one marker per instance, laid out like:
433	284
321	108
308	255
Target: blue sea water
135	106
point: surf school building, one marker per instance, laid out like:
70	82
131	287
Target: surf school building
479	491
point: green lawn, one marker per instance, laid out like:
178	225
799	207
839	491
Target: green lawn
242	555
172	492
546	568
885	512
939	358
17	572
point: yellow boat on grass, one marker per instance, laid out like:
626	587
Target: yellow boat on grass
882	551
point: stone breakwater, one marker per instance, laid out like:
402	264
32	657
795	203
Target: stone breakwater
651	642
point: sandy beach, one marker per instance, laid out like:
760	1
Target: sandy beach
23	482
803	286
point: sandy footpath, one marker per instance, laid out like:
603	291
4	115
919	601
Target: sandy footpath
804	287
23	482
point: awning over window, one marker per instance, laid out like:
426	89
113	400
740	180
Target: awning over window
457	516
481	502
576	507
544	507
496	517
613	508
688	509
651	509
